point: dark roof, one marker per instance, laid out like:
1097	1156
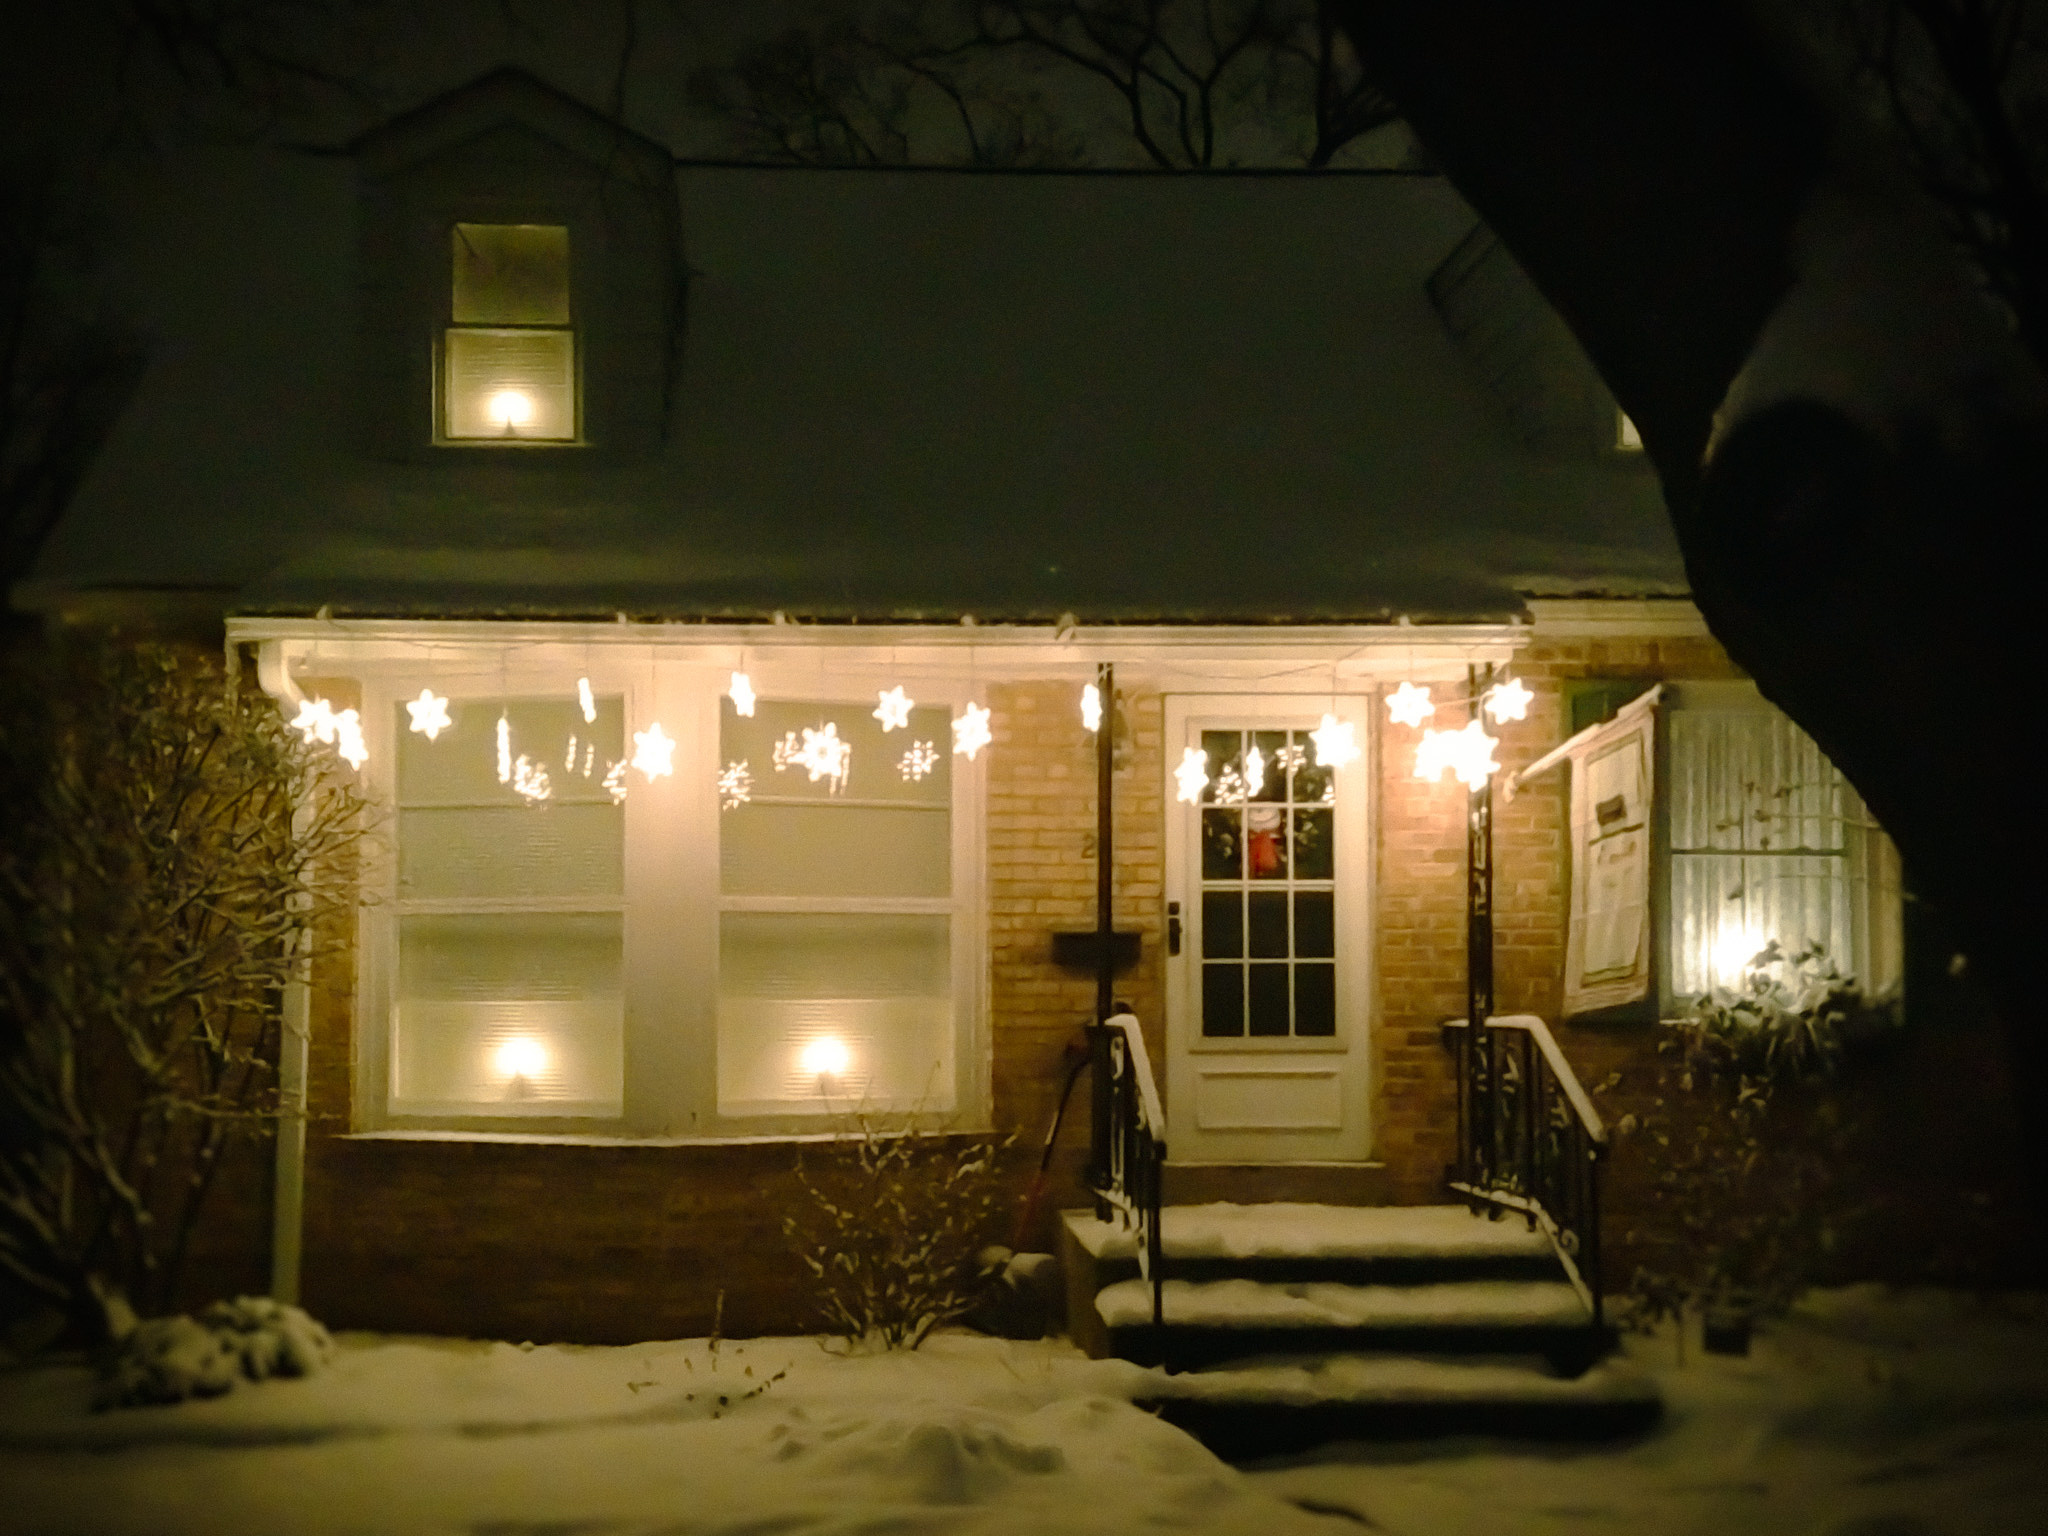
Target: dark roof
901	396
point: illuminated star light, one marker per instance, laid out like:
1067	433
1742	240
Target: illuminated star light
429	714
1336	742
583	697
530	779
893	710
1091	707
970	731
918	761
348	739
1254	772
1409	705
317	720
741	692
1467	752
735	785
1192	776
1508	700
824	756
654	752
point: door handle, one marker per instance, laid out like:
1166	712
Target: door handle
1173	927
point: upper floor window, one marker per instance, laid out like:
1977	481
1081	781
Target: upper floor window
508	354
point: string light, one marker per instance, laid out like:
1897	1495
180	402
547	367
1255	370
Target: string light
893	710
1508	700
918	761
583	697
615	781
1091	707
1336	742
735	785
1410	705
741	692
504	749
530	780
970	731
429	714
1254	772
653	752
318	720
1192	776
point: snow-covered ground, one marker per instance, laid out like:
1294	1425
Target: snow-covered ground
1869	1413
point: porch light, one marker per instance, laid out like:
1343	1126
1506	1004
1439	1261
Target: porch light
509	410
893	709
1410	705
1733	949
521	1057
1508	700
1336	742
1091	708
971	732
429	714
1192	776
741	692
825	1058
654	752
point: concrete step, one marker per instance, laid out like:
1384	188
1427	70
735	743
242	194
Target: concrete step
1278	1404
1292	1230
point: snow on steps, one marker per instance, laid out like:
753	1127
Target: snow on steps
1293	1231
1255	1304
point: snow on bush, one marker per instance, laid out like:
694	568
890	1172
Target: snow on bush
170	1359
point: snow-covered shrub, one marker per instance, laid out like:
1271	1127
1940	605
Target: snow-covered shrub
893	1227
1750	1140
170	1359
155	896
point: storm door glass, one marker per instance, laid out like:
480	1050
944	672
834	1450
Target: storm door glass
510	910
1268	888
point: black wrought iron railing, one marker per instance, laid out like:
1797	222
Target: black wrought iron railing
1127	1157
1529	1139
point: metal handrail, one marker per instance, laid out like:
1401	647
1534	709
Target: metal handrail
1127	1162
1529	1139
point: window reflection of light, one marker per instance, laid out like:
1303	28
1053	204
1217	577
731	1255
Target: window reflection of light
826	1056
510	408
521	1057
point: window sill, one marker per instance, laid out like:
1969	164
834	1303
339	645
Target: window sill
567	1139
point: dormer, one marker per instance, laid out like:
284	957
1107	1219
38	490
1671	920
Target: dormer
521	280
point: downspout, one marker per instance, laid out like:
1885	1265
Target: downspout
288	1177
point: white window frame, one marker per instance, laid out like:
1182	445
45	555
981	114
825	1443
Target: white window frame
671	897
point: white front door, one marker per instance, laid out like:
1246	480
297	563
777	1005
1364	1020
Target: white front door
1268	997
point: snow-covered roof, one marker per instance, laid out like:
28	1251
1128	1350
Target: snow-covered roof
901	396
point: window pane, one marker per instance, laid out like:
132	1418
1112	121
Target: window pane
510	274
510	385
1315	1000
1221	844
545	851
879	763
509	1014
1269	1012
1315	923
460	765
1268	924
1222	925
1314	846
1222	1000
835	850
834	1013
1265	842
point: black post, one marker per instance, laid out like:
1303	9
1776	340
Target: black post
1105	852
1479	943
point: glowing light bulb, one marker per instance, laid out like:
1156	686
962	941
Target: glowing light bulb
511	409
522	1056
825	1056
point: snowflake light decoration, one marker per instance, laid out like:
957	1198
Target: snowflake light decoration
741	692
893	710
1192	776
785	752
318	720
1508	701
1230	786
1091	708
735	785
1467	752
1289	758
588	701
1335	741
569	757
970	731
1254	772
615	781
530	780
1410	705
429	714
654	752
918	761
315	720
348	739
824	756
504	749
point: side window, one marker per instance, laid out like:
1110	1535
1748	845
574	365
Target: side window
508	353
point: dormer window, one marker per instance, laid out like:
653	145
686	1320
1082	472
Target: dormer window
508	355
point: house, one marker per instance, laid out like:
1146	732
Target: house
716	559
